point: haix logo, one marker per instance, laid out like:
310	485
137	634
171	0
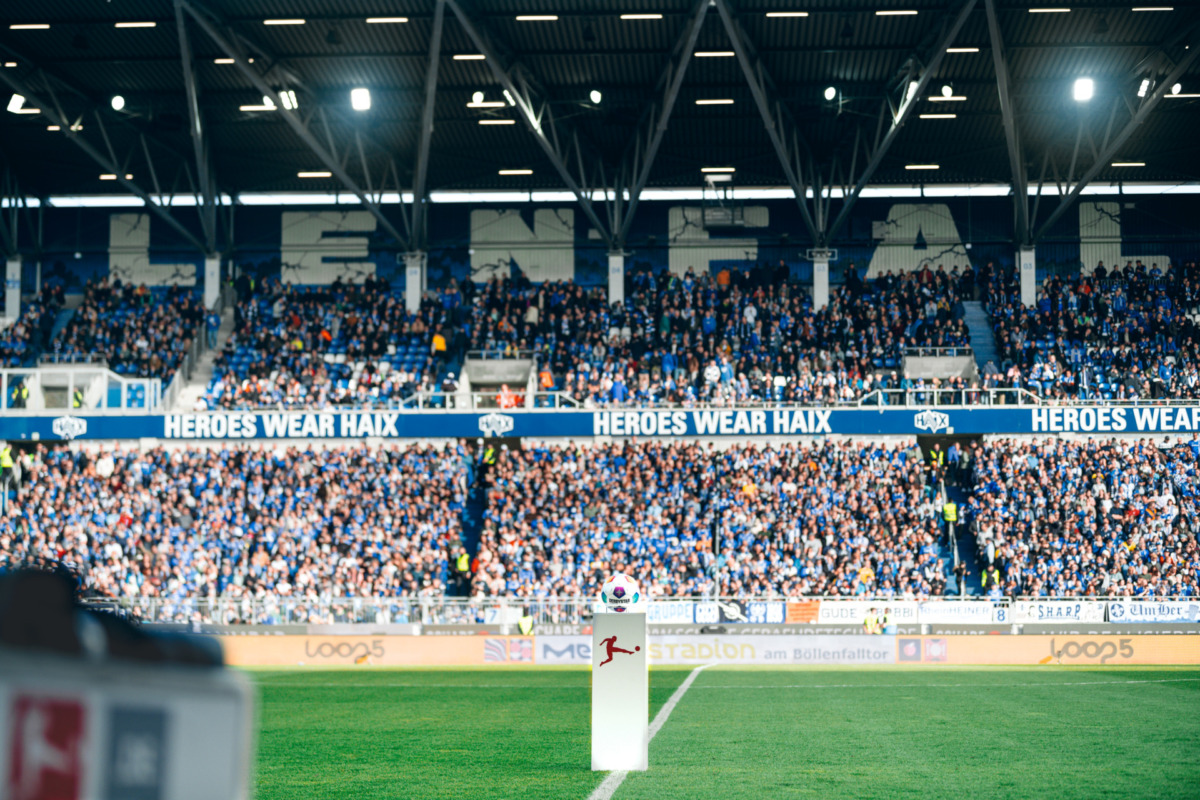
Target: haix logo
932	421
496	424
69	427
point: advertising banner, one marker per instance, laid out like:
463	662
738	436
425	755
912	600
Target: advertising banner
391	651
414	423
1023	611
670	613
803	612
738	649
852	612
978	612
1123	611
1048	650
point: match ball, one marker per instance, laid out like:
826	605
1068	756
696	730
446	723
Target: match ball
620	593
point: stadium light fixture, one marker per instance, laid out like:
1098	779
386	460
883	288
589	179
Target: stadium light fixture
118	102
108	176
938	116
1142	89
385	20
267	105
897	13
497	122
537	18
289	99
641	16
314	174
284	21
1049	11
1177	88
29	26
922	166
469	57
135	25
947	90
786	14
508	98
714	54
941	98
75	127
1153	8
830	92
717	170
10	64
360	99
912	89
723	101
516	172
16	105
1129	163
962	49
1085	89
230	61
595	96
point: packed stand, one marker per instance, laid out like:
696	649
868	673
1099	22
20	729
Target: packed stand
346	344
23	341
1125	334
140	332
1057	518
792	521
723	339
244	523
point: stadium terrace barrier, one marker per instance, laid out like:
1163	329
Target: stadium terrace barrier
663	423
323	651
505	612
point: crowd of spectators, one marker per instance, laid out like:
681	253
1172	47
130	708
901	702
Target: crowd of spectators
244	522
138	331
346	344
1124	334
689	520
723	339
23	341
1097	517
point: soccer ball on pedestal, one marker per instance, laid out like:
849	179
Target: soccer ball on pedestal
620	593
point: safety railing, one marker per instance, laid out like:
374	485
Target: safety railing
76	389
950	396
938	352
186	367
499	352
507	611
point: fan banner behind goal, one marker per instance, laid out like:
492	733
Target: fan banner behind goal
663	423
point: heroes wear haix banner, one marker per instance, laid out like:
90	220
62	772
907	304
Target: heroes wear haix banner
879	421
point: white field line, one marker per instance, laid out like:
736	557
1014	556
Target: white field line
614	780
981	685
687	682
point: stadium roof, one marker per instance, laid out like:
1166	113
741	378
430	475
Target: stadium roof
870	53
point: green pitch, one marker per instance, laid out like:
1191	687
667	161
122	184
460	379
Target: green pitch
1046	732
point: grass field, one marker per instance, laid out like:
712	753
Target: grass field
1048	732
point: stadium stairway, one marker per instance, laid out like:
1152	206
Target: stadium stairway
472	523
202	374
968	553
983	341
61	321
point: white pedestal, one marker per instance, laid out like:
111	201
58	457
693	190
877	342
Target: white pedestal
620	692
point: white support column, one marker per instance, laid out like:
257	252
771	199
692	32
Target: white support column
1027	264
620	692
12	289
212	280
820	282
616	278
414	279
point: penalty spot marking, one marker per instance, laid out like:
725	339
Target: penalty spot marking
615	778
